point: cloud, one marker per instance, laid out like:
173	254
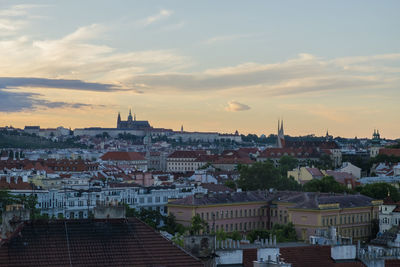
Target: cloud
75	56
11	100
303	74
14	18
234	106
227	38
163	14
16	82
16	102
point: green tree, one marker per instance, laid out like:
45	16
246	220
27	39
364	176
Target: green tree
235	235
283	233
380	191
261	175
151	217
230	184
198	225
221	235
178	240
264	175
287	163
171	226
327	184
256	234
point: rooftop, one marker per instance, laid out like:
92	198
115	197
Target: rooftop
114	242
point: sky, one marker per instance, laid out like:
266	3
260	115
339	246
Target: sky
207	65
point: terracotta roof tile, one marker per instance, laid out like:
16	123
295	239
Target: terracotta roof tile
115	242
312	256
123	156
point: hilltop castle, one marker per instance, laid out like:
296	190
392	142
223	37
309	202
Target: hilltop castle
132	123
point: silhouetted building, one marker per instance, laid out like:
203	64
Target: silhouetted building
132	123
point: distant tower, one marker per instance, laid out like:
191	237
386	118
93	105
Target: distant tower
134	116
182	129
328	137
119	120
376	137
130	115
281	135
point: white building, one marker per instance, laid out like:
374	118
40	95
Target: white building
75	203
389	215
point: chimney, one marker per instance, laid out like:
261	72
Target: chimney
12	218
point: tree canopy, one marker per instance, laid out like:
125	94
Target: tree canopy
198	225
264	175
287	163
283	232
381	191
326	185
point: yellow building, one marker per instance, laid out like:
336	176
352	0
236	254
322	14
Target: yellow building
305	174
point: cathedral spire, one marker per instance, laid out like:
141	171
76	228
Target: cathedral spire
281	135
119	120
130	115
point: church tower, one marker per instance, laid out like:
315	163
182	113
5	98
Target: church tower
119	120
130	115
281	135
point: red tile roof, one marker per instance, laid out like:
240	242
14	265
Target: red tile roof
315	172
15	183
312	256
122	156
390	151
392	263
289	151
116	242
217	188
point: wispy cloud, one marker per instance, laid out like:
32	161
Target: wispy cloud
17	101
76	56
16	82
14	18
227	38
304	74
234	106
163	14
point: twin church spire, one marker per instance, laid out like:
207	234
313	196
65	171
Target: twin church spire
281	135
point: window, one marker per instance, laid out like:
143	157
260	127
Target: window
157	199
231	213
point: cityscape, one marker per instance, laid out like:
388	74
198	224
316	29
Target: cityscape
184	134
